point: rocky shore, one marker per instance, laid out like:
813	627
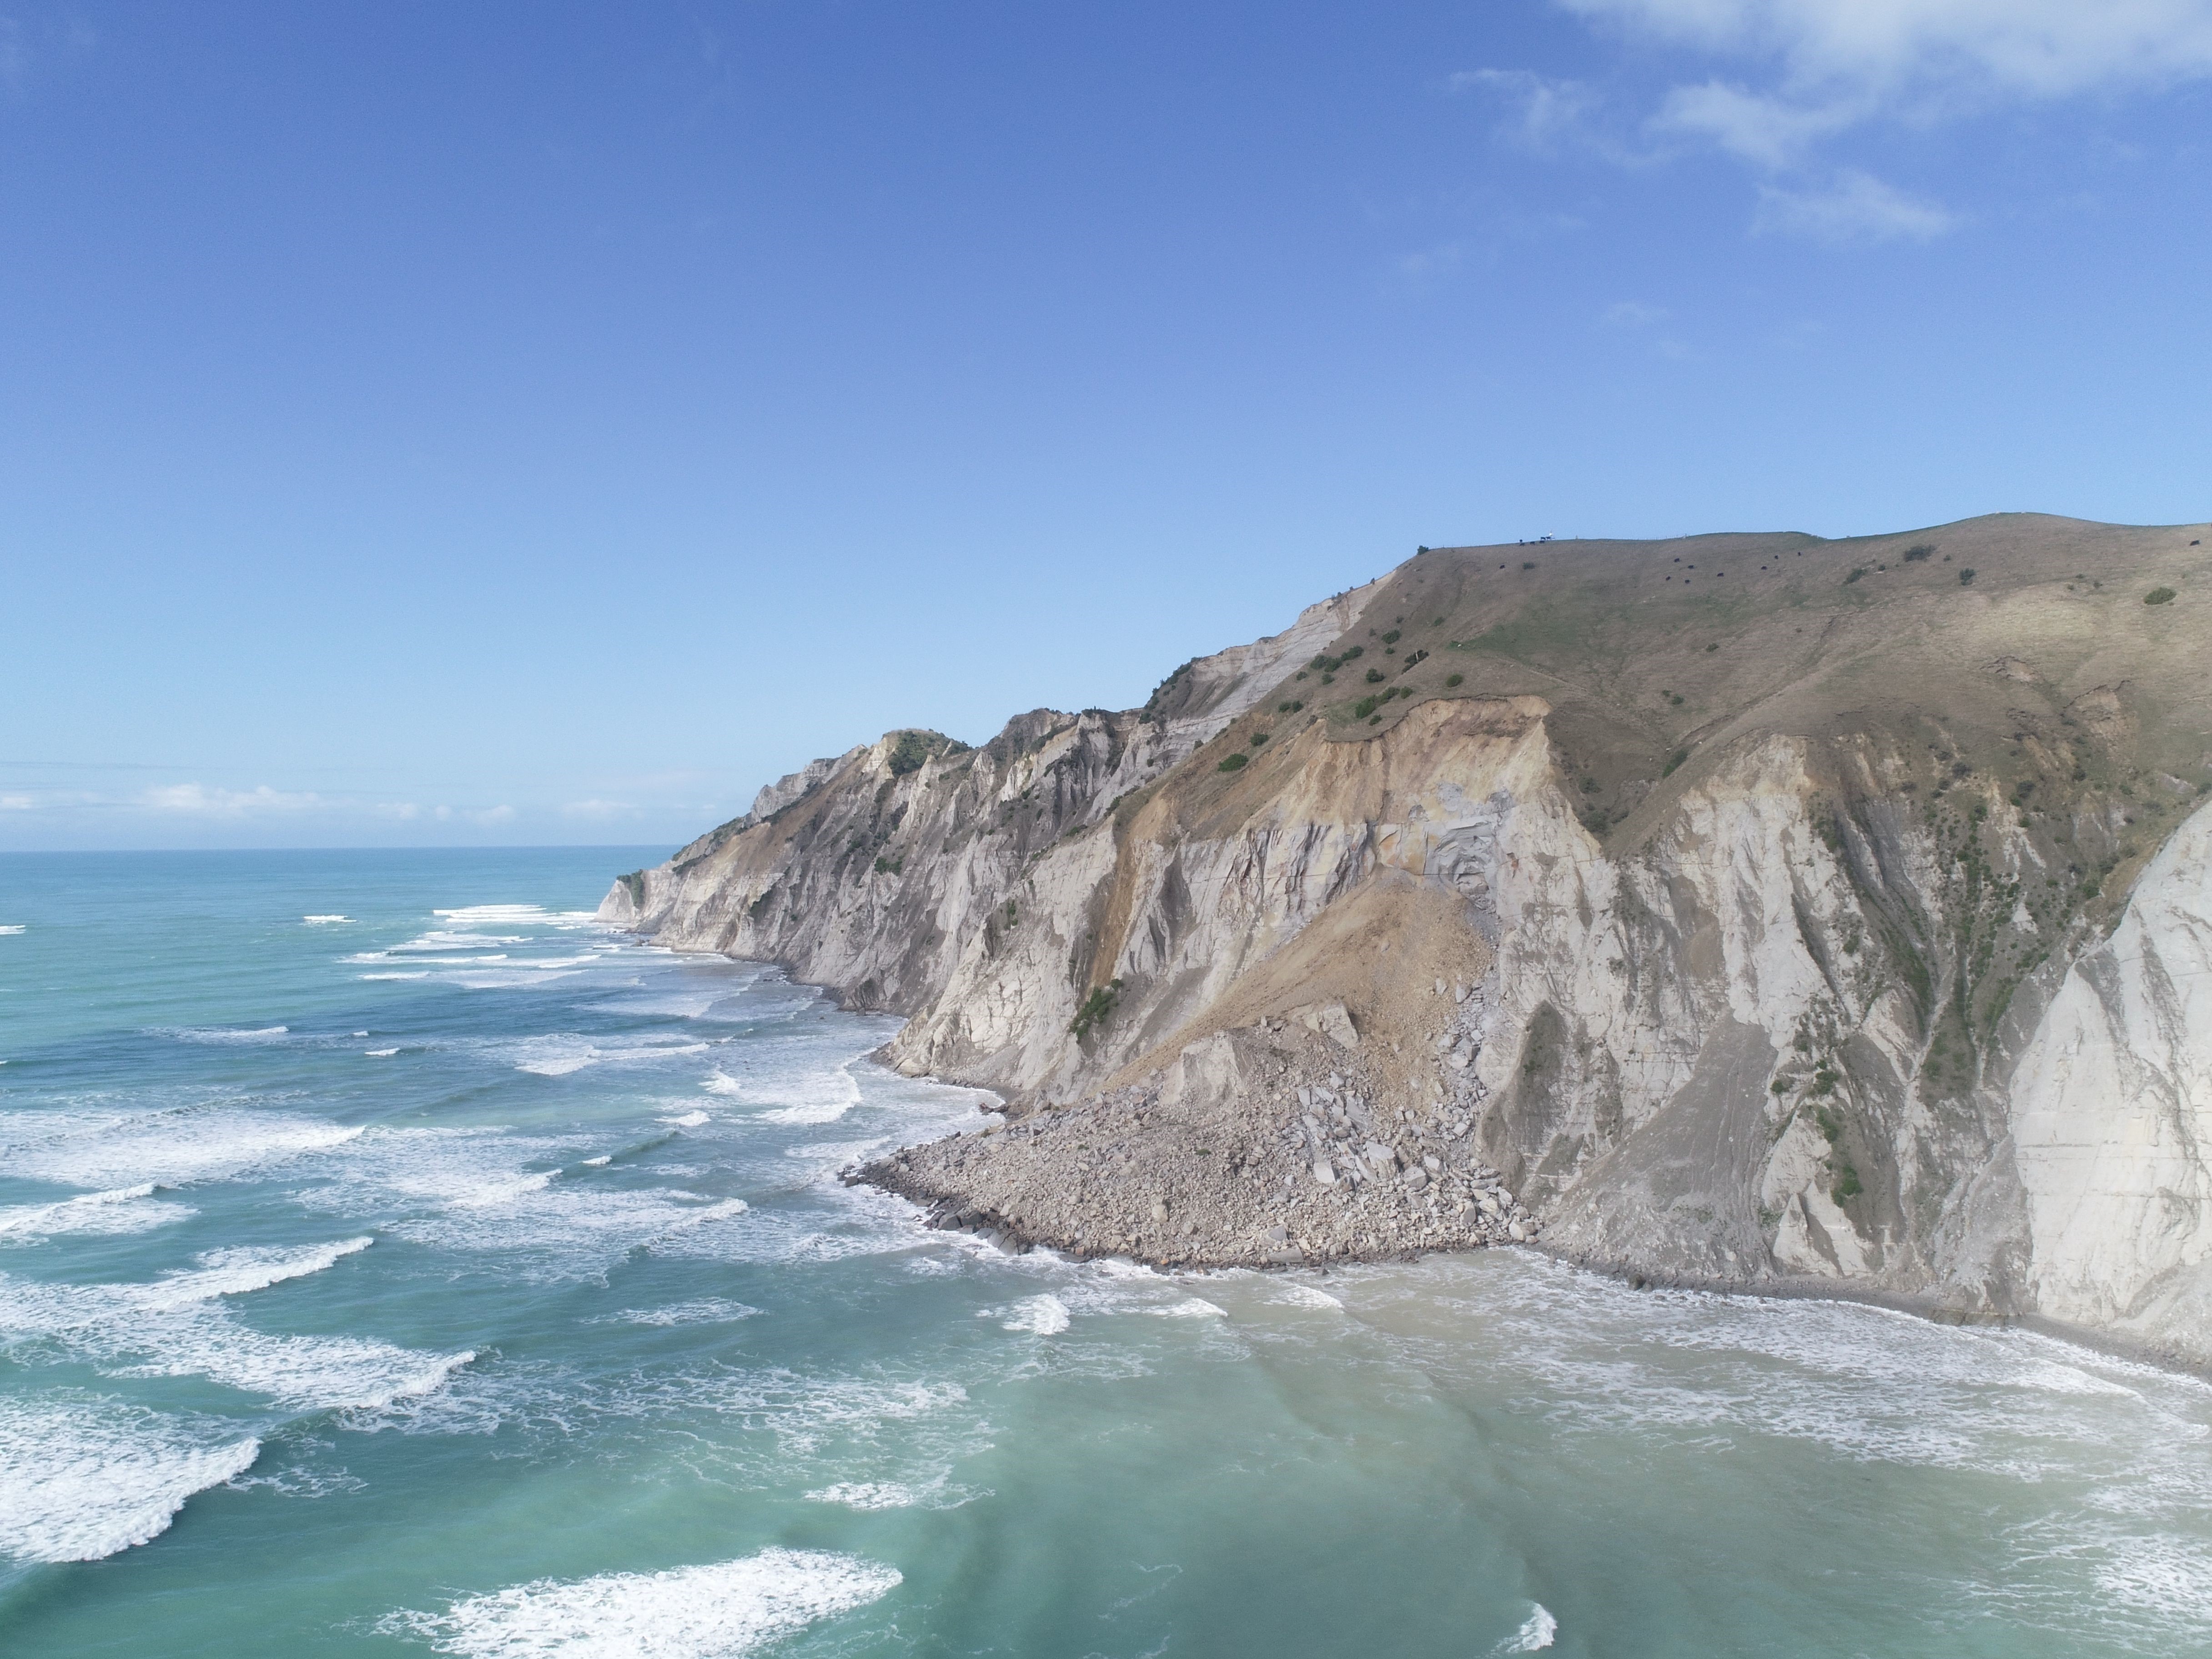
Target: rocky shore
1275	1144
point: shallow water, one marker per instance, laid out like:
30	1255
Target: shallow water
449	1274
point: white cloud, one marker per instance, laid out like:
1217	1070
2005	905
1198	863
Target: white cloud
599	809
1544	115
1856	208
2035	48
18	803
1801	74
198	800
487	815
1767	132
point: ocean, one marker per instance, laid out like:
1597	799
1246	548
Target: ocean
393	1260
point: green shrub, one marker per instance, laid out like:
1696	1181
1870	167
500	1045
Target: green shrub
1966	576
912	749
1375	676
1363	707
1847	1184
1233	763
1673	762
1589	786
1527	564
1675	698
1454	679
2159	595
1391	637
890	866
1857	571
1259	737
1918	552
1291	707
1095	1009
1356	651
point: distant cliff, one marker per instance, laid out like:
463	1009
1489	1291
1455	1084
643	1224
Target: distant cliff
1748	909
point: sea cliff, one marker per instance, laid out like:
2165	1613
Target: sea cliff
1754	910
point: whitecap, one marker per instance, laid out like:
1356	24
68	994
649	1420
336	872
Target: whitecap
1040	1316
13	928
178	1326
1189	1307
705	1311
688	1121
715	1612
506	1192
378	1054
869	1495
121	1210
367	976
600	1162
81	1479
253	1267
325	920
221	1033
170	1147
1306	1296
1535	1633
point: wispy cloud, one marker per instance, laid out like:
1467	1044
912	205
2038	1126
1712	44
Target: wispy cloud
1959	52
1855	208
599	809
200	800
1799	75
1540	114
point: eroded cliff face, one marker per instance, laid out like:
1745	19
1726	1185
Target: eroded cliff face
1813	935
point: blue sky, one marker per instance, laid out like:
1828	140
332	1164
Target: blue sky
541	423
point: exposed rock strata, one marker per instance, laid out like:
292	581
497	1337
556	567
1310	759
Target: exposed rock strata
1752	910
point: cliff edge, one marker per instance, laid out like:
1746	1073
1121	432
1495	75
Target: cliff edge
1747	909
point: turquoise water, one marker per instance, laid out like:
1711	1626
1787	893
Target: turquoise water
451	1275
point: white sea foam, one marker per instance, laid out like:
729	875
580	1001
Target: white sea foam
707	1311
688	1121
422	975
178	1326
505	1192
1040	1316
378	1054
83	1478
104	1150
868	1495
1306	1296
600	1162
223	1034
473	1190
13	928
1189	1307
238	1272
718	1612
721	1083
1536	1634
122	1210
560	1054
325	920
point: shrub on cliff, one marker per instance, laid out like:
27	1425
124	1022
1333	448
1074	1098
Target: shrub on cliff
2159	596
1233	763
